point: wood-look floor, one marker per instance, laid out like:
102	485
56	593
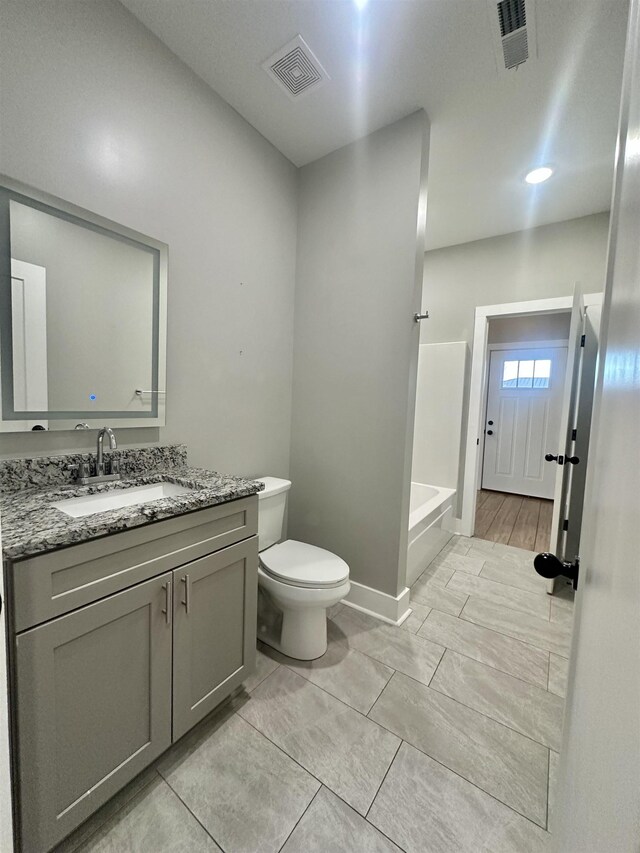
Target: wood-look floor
514	520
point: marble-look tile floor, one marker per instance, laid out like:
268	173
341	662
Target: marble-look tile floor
440	735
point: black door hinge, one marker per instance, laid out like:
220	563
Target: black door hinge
565	524
582	340
574	434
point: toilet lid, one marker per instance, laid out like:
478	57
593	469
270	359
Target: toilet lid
298	563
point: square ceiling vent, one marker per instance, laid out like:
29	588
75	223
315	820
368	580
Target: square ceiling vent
296	69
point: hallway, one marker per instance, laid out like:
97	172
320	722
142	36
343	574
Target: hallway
514	520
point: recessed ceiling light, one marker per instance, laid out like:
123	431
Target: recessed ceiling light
537	176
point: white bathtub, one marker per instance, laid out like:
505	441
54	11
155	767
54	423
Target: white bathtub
430	512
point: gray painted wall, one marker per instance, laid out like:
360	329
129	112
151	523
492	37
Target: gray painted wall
359	273
536	264
117	124
531	327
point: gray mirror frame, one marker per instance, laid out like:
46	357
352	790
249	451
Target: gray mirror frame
157	416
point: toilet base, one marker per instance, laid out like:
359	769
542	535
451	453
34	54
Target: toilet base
301	634
304	633
293	620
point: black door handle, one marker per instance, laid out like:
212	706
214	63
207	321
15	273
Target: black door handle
573	459
549	457
489	432
549	566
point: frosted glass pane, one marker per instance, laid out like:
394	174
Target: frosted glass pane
510	374
542	373
525	374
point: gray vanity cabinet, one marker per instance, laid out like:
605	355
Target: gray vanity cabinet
214	630
122	644
94	706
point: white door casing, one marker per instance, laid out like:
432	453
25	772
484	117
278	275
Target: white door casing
522	423
598	801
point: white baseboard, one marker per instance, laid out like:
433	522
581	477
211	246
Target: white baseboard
388	608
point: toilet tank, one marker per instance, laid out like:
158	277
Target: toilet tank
271	506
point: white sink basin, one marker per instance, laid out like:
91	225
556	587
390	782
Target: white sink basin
118	498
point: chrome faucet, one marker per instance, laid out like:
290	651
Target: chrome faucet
82	470
100	453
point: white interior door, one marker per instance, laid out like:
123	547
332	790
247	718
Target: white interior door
524	404
565	447
598	803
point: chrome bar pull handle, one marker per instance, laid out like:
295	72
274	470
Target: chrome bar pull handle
418	317
186	580
167	601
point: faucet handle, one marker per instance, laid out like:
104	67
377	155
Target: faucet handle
81	470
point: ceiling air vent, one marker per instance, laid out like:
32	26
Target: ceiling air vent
513	25
296	68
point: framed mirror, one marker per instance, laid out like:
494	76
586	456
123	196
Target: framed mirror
83	304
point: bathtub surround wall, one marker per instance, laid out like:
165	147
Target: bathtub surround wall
359	271
118	125
438	425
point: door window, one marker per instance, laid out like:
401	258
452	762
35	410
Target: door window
526	373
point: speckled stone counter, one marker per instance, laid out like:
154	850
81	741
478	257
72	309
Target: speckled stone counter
28	487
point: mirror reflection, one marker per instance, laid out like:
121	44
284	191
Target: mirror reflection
80	321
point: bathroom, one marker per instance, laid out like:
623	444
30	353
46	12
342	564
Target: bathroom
272	390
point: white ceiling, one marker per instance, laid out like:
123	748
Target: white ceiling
487	127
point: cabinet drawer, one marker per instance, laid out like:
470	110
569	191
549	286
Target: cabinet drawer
49	585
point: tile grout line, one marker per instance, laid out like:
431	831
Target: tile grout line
380	693
511	728
462	704
295	826
506	585
319	781
433	675
193	815
490	665
502	634
366	817
455	772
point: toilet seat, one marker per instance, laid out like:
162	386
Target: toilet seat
303	565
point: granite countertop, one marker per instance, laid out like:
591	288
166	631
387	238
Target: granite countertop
30	525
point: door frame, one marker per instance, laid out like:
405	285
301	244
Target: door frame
496	348
479	378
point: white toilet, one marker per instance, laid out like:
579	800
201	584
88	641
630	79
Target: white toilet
298	582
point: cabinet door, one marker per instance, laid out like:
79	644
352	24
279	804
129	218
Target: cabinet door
93	707
214	630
